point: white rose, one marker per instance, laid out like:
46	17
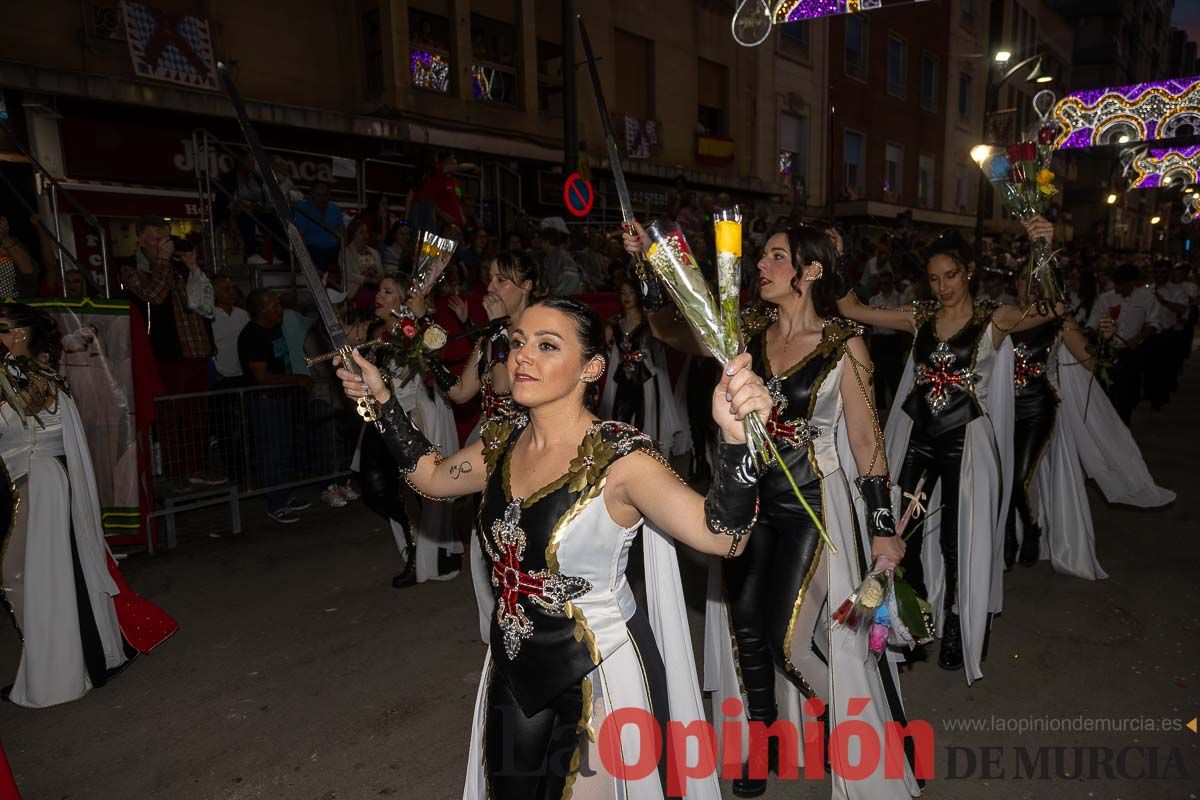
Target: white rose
434	338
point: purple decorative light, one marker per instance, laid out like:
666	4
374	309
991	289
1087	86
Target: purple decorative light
1148	169
798	10
1083	116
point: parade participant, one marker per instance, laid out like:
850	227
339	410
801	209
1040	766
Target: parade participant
512	283
79	621
565	496
419	535
954	426
638	390
1064	432
781	592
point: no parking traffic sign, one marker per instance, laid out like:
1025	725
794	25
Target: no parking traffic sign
578	195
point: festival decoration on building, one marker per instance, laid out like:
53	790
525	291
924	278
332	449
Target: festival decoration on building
1127	114
430	70
167	46
753	20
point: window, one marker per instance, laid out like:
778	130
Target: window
713	94
854	166
429	51
897	56
794	40
493	60
929	81
964	97
549	72
926	174
635	75
968	12
856	46
793	147
893	167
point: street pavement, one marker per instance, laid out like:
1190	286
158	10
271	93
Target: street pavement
300	674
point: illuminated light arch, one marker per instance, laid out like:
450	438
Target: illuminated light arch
1150	168
1084	116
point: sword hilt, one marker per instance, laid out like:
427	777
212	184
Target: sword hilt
310	361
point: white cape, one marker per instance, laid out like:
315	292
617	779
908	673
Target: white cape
52	668
664	418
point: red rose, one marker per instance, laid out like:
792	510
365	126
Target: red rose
1114	312
408	329
1027	151
1014	153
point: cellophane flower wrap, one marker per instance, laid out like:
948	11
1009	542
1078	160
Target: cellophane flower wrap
885	607
1021	174
406	348
671	259
433	255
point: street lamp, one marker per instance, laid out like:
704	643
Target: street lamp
1155	219
1044	79
1112	199
979	152
1002	56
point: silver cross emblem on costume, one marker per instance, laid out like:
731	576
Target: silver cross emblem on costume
942	381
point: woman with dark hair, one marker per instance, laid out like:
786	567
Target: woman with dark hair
79	621
953	428
781	593
513	282
361	270
638	390
421	527
1063	433
396	252
565	496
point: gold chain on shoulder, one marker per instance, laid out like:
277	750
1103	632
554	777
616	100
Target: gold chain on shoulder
878	431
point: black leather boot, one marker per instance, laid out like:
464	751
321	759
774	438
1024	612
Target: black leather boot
409	576
1010	547
745	786
1030	546
950	657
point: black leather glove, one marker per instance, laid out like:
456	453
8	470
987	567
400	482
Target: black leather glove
877	495
404	439
653	296
731	505
441	374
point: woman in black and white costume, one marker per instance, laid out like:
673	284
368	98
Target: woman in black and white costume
769	636
1066	430
955	427
565	496
638	390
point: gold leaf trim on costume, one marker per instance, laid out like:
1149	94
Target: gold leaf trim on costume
568	517
791	628
584	724
583	633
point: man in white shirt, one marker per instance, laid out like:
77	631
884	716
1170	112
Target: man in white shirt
1136	313
995	287
888	347
1169	348
228	321
1179	277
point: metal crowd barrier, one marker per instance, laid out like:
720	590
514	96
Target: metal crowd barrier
222	446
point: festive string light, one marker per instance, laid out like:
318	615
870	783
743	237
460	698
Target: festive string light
1124	114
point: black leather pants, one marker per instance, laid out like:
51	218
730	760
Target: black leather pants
381	481
940	458
1032	431
763	586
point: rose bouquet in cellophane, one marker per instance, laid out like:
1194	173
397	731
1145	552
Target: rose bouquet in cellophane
1021	174
717	325
406	350
884	605
432	257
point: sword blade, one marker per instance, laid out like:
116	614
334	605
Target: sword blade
337	334
610	141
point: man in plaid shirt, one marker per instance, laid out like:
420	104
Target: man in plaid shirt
176	303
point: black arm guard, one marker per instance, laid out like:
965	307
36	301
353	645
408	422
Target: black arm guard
404	440
731	505
877	495
441	374
653	296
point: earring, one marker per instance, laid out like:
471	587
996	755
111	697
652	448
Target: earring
820	271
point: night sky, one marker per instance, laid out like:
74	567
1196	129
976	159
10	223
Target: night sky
1187	16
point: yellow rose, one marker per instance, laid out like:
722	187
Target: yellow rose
1045	182
434	338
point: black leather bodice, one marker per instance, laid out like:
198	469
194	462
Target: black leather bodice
795	391
632	352
943	393
540	642
1031	353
